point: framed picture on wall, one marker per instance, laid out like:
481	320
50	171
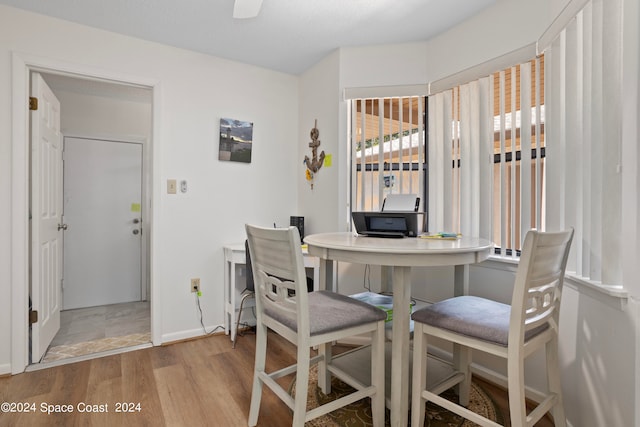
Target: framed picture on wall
236	140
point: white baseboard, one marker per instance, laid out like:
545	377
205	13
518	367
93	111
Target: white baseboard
5	369
192	333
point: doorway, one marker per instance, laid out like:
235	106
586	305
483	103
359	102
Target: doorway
105	294
103	217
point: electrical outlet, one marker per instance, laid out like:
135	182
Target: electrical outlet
195	285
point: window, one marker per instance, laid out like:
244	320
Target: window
387	150
493	142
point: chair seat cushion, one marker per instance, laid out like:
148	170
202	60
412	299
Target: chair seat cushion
472	316
330	311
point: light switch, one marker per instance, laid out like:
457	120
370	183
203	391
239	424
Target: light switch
171	186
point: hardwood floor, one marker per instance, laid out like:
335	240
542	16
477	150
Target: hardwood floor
203	382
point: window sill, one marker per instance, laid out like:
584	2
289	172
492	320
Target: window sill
500	262
610	290
592	288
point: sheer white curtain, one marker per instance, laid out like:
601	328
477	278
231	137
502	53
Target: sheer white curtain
583	52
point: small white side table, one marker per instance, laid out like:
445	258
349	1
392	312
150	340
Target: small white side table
234	255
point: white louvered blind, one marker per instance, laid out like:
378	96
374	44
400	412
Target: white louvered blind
584	106
486	148
387	150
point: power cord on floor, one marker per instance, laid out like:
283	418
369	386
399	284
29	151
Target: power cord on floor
246	327
201	318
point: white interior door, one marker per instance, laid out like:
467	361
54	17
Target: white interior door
46	216
102	208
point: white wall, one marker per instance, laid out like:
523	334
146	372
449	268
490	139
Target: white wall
320	94
192	93
499	29
384	65
103	116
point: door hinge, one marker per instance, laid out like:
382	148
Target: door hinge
33	317
33	103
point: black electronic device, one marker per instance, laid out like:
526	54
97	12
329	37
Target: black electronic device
298	222
386	224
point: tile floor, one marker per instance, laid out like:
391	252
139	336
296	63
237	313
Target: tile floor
94	329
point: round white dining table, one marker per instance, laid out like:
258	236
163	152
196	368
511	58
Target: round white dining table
400	254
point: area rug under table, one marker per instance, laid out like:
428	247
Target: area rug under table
358	414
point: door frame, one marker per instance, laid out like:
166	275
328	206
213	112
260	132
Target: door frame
22	64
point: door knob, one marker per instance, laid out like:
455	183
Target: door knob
136	220
62	227
136	231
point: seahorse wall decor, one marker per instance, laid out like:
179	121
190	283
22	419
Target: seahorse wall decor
314	164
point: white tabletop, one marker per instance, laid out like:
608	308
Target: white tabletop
408	251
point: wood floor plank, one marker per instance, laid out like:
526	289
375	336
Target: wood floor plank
179	399
101	397
139	400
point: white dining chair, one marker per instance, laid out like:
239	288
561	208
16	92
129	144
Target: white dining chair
512	332
307	320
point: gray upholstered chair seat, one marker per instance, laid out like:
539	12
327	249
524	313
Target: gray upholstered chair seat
329	311
474	317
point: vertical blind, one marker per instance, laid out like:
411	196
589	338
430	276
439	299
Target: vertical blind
584	94
485	156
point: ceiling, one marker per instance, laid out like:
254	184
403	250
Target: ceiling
287	35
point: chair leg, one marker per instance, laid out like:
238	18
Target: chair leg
515	384
324	376
462	363
554	383
419	375
377	375
302	387
261	356
244	298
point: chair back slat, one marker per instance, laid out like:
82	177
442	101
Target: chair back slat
541	303
539	279
274	294
279	274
